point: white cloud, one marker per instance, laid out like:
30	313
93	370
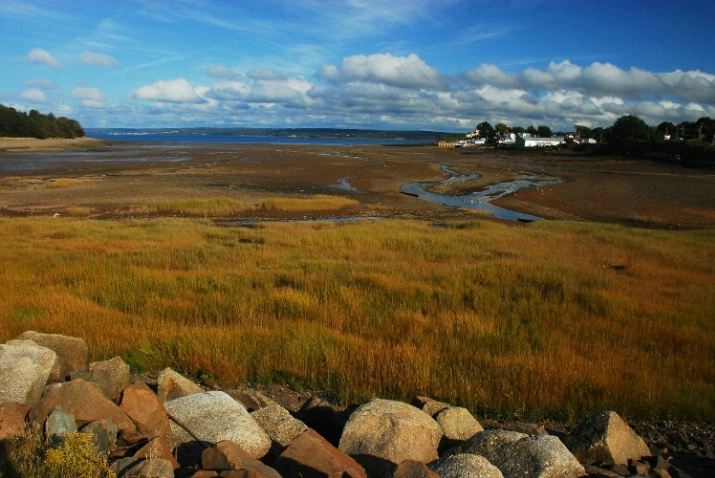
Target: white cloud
35	95
42	57
89	97
40	83
97	59
172	91
401	71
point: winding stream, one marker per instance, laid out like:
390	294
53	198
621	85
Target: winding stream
480	199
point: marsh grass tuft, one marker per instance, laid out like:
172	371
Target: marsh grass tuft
507	321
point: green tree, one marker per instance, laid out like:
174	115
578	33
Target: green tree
485	129
532	130
543	131
629	130
502	128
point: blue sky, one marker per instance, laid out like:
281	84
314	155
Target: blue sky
390	64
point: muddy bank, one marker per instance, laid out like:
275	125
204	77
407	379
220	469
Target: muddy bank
109	178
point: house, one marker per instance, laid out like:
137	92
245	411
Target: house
528	141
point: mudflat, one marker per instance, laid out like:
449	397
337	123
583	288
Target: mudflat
102	179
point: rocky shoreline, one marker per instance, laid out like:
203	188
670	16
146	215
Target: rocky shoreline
169	426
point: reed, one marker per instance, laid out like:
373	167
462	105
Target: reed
556	319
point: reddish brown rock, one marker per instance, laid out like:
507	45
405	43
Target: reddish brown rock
157	448
86	402
145	409
413	469
12	419
111	376
311	456
227	455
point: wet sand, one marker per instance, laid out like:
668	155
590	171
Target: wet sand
104	180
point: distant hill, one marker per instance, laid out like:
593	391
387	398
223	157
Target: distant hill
18	124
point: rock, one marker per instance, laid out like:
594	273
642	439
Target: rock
151	467
72	351
413	469
486	443
251	399
24	370
312	456
279	424
58	424
466	465
104	434
157	448
541	456
605	438
457	424
12	419
382	433
111	376
86	402
226	455
430	406
173	385
146	410
213	417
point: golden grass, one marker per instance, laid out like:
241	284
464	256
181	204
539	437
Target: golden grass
63	183
556	319
318	202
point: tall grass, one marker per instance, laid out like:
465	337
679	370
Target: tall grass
556	319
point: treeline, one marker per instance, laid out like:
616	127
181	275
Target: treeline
18	124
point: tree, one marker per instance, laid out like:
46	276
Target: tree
485	130
629	130
583	131
502	128
517	129
543	131
531	130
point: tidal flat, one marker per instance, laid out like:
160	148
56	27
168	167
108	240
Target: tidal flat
127	246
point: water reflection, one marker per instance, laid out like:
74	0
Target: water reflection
481	199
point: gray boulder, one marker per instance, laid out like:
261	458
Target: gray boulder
486	443
380	434
104	434
458	424
172	385
111	376
59	423
72	351
429	405
605	438
213	417
279	424
541	456
466	465
24	370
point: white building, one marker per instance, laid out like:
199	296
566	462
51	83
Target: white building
528	141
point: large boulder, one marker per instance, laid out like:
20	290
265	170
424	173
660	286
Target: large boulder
153	467
429	405
489	441
312	456
541	456
227	455
380	434
605	438
58	424
172	385
213	417
72	351
24	370
86	402
466	465
458	424
279	424
111	376
145	409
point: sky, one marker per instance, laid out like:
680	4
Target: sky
442	65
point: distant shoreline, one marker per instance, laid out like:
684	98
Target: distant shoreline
14	145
